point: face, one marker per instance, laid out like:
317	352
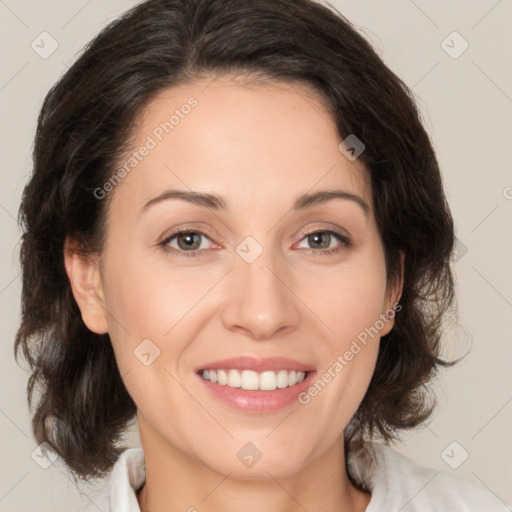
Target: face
254	272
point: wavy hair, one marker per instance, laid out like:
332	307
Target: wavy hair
82	407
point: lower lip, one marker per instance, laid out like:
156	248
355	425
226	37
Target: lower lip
258	401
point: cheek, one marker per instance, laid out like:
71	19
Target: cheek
147	301
147	298
144	307
350	303
349	298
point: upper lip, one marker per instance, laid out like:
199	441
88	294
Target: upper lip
257	364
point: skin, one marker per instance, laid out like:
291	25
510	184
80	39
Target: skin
259	146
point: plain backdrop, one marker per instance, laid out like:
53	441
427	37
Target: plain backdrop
463	85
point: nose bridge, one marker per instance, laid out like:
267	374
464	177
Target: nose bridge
260	303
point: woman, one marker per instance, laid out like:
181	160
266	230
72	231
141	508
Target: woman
236	232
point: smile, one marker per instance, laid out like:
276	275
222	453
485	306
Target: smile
252	380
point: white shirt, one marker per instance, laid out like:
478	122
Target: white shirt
396	483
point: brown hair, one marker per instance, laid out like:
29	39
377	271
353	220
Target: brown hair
83	408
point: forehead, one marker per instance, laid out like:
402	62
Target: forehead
251	139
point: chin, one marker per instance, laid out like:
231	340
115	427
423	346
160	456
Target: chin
249	461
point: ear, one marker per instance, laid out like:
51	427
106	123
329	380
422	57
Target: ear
84	276
393	294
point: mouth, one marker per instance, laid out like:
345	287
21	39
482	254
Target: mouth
255	384
251	380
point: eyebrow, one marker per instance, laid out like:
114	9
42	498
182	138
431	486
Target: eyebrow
216	202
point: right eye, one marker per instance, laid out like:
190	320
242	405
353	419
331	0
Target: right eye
185	241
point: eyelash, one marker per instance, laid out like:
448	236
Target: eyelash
344	242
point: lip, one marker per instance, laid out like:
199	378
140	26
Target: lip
255	401
257	364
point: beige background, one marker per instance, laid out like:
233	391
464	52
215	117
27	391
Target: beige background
467	104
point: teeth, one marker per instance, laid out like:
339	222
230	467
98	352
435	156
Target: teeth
268	381
282	380
223	377
251	380
234	379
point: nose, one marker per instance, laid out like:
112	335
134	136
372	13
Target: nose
261	301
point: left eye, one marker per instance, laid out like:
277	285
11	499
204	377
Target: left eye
324	240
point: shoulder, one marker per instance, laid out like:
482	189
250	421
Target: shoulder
398	483
120	491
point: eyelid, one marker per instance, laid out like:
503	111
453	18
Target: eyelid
187	228
184	229
344	239
323	229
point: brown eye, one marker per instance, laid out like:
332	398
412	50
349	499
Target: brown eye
186	241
